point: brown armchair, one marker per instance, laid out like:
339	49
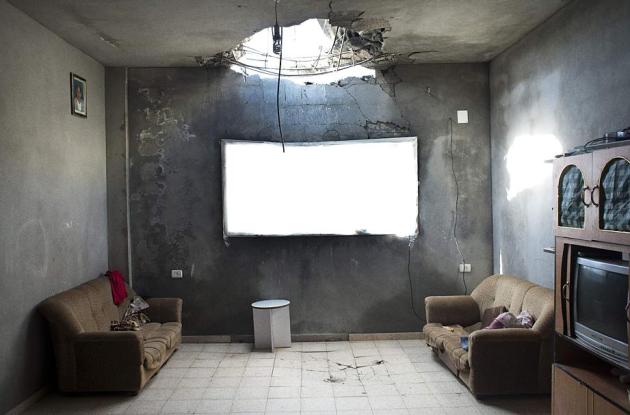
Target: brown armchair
504	361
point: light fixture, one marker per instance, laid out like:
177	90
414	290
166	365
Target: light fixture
277	37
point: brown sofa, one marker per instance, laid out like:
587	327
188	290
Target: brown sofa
504	361
92	358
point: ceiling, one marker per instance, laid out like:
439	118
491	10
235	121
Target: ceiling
172	32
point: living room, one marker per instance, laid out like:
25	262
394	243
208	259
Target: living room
350	207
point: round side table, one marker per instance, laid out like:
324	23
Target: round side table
272	324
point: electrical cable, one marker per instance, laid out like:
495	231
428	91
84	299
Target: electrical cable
455	216
278	101
279	75
412	240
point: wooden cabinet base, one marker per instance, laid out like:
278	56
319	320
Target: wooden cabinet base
571	396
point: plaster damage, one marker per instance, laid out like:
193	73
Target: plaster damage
315	47
177	117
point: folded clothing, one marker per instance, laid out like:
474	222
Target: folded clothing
509	320
119	291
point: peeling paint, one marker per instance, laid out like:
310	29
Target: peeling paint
176	197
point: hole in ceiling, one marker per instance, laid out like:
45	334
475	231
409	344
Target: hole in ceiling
313	51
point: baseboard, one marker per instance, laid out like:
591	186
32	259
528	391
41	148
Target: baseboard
25	404
207	339
411	335
320	337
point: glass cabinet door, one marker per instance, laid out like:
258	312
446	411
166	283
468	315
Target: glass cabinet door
571	205
572	177
611	196
614	196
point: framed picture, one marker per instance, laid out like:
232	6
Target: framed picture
78	95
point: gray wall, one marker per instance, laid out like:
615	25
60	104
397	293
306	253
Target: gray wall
177	117
53	223
570	79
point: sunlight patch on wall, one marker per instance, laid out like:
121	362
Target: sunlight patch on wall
525	161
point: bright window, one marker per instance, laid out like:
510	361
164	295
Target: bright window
327	188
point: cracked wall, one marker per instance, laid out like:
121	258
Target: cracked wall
177	117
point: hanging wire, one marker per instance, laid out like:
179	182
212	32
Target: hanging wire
278	86
278	101
450	120
412	240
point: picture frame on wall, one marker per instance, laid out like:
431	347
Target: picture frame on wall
78	95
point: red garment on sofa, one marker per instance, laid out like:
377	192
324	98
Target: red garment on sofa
119	291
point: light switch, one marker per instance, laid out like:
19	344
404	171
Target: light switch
177	273
462	117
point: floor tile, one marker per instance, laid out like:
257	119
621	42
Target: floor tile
284	392
252	392
352	403
187	393
283	405
249	405
329	378
317	404
180	407
214	406
219	393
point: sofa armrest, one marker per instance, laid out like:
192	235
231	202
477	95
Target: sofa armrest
107	348
165	310
505	360
452	309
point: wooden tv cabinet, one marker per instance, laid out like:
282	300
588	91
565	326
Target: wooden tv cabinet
582	382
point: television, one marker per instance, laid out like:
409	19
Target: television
600	297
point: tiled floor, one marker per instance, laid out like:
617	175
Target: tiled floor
358	378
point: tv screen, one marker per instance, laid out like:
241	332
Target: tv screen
357	187
601	297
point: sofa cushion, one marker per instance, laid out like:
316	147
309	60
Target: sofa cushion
435	334
455	353
448	343
501	290
167	333
158	340
154	353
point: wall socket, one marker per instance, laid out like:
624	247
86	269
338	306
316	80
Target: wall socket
465	268
177	273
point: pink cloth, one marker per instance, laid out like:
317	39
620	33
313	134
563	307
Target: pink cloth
119	291
509	320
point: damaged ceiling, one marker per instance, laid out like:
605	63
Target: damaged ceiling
172	33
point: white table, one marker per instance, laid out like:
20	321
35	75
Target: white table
272	324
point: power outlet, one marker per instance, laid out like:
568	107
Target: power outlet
465	268
462	117
177	273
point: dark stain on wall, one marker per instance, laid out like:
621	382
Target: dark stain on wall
178	116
